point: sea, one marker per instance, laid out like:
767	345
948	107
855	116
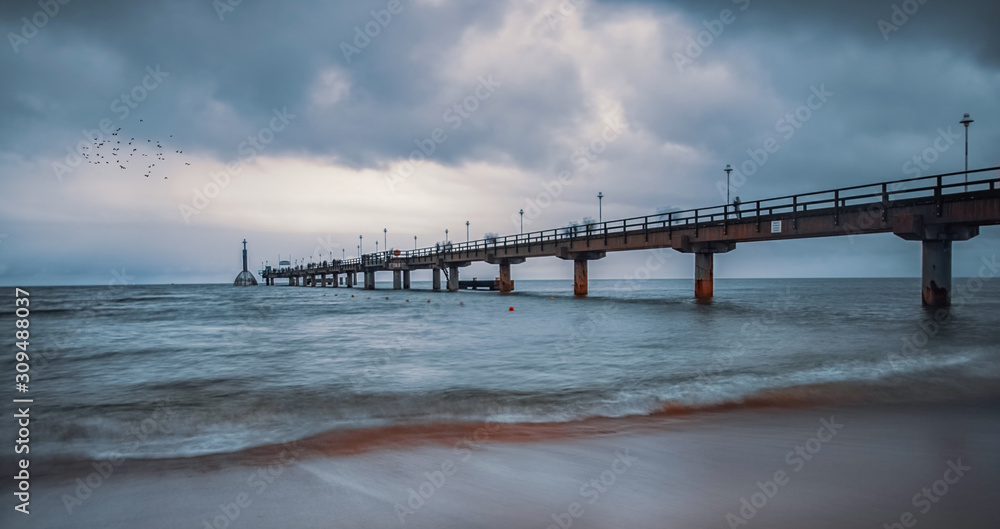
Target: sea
176	371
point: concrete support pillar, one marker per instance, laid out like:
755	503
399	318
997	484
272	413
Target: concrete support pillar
436	283
935	276
936	273
704	275
406	280
349	280
506	285
322	280
397	279
370	280
304	280
452	279
580	277
336	280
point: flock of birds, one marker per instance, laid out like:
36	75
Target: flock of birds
123	155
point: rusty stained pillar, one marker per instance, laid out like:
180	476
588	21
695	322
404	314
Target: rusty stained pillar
935	239
349	280
935	284
704	275
406	280
580	277
436	279
335	280
370	280
397	279
452	278
506	285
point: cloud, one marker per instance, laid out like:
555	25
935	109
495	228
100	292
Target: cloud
561	72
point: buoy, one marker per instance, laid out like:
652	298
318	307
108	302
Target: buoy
510	309
407	301
428	301
387	297
352	295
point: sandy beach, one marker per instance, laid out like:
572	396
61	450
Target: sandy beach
860	466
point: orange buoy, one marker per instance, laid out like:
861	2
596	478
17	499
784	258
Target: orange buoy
510	309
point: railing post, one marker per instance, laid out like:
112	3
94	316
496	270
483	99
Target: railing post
670	225
605	234
939	194
758	216
795	212
885	203
588	235
836	208
645	225
725	219
696	223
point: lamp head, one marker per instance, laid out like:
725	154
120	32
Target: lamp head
966	120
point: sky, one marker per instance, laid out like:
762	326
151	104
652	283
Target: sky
300	126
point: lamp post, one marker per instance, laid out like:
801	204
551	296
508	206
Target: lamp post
414	242
446	235
965	121
361	244
728	170
600	213
522	220
376	246
385	238
466	232
343	253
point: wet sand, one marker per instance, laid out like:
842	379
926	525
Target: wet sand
856	466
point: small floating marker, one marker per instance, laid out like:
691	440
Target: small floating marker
510	309
428	301
407	301
387	297
352	295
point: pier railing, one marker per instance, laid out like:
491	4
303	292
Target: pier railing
923	189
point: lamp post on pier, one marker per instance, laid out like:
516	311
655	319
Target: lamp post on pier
522	220
466	232
385	238
600	213
966	121
728	170
414	242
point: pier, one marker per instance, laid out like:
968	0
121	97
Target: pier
934	210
